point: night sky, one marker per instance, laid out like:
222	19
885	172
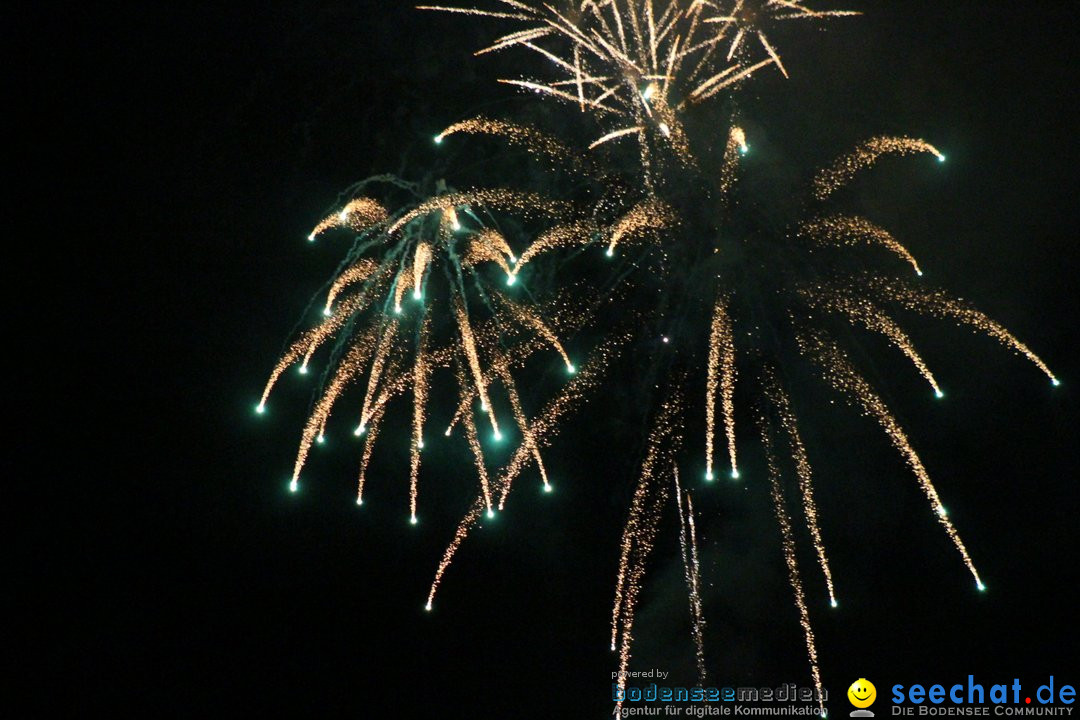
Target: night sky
165	568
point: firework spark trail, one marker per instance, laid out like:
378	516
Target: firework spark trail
347	370
537	144
644	537
357	272
310	341
372	274
529	439
468	340
468	394
650	214
631	532
448	220
377	365
641	528
721	375
328	329
578	79
864	156
358	214
555	92
802	12
527	203
516	38
839	372
369	446
375	424
400	287
782	405
560	236
739	35
790	559
772	53
722	81
475	12
495	240
615	134
421	380
863	312
699	615
474	445
527	318
667	122
545	426
736	146
420	262
851	231
481	249
294	353
467	522
938	304
639	507
565	319
692	571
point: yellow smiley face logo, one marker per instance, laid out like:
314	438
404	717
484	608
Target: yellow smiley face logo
862	693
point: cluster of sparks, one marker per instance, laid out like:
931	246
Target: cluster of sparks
643	60
424	238
642	526
636	66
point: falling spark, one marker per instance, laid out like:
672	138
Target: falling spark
938	304
736	146
650	214
377	366
721	375
375	424
614	134
782	405
844	378
641	528
485	247
420	263
724	80
308	342
864	156
692	571
862	311
358	214
560	236
523	424
544	427
779	505
850	231
421	380
526	318
355	273
536	143
528	204
344	374
468	341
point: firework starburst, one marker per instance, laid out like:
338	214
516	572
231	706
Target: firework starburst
433	288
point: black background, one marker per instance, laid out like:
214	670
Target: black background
170	161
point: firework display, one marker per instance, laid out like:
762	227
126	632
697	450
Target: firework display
468	290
